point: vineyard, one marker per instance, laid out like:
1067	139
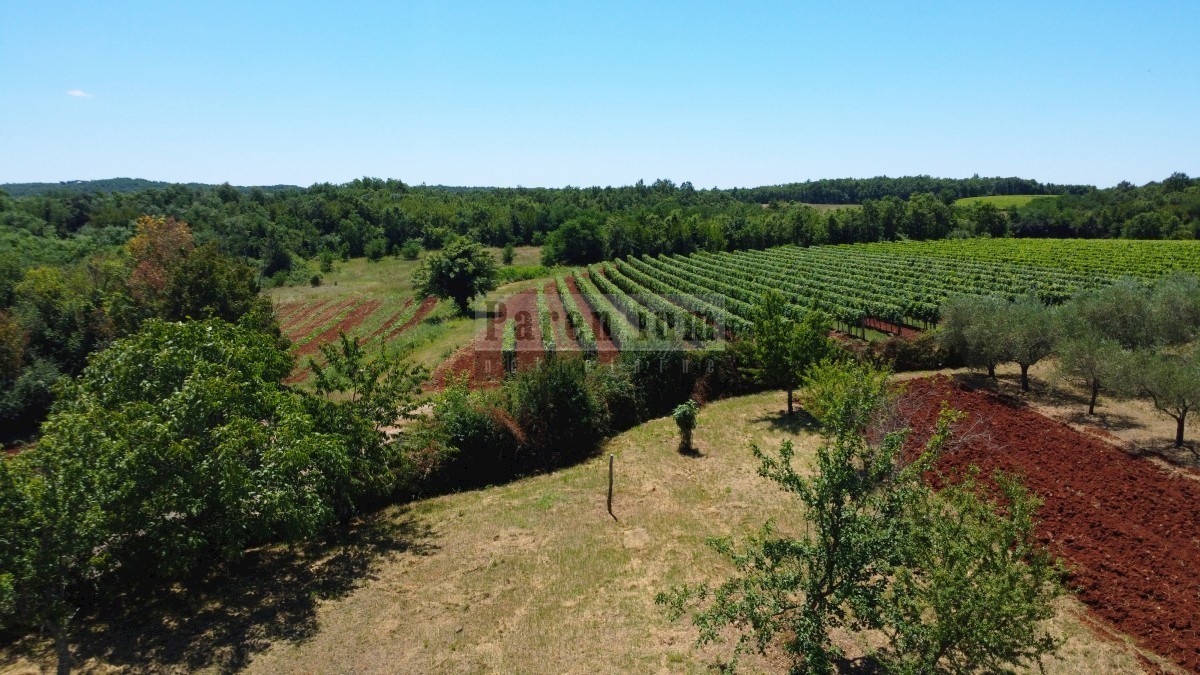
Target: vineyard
887	286
866	289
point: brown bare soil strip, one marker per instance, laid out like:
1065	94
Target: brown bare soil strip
423	311
606	350
346	325
1126	528
319	319
301	313
286	309
890	328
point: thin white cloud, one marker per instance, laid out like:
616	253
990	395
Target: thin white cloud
77	93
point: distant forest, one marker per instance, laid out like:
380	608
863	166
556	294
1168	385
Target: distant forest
277	227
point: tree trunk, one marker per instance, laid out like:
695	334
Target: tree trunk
1024	377
62	649
789	401
1179	430
992	370
1095	393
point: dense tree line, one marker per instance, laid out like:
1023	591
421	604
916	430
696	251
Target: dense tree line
277	226
1169	209
53	317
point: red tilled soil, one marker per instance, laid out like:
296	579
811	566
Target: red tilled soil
346	325
423	311
891	328
482	360
606	350
285	309
390	321
318	319
300	313
1128	530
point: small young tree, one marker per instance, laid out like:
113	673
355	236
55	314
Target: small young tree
460	271
508	254
685	418
781	348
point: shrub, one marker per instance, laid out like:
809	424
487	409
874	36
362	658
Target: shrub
685	418
375	249
411	249
561	415
923	352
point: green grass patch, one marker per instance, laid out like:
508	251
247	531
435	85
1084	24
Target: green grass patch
1001	201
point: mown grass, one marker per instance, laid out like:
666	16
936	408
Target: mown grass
1000	201
530	576
535	576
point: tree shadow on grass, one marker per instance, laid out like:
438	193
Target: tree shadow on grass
271	595
798	422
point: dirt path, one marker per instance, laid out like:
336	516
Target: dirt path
1126	528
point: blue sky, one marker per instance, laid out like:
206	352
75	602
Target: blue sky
601	93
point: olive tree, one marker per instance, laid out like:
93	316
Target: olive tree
975	327
1171	380
1028	329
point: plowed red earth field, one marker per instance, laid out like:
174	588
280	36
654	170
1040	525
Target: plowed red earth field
482	360
1128	530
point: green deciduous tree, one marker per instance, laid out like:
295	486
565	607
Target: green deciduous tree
460	271
176	449
781	349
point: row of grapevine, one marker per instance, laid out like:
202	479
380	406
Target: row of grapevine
687	294
545	322
623	333
901	283
643	321
670	317
1106	258
583	331
508	346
